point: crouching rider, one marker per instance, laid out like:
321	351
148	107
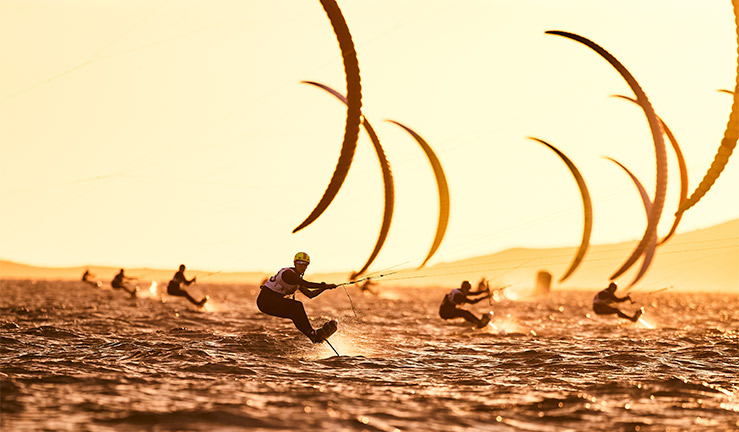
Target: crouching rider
275	292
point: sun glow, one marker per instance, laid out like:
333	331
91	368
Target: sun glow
211	306
151	292
506	326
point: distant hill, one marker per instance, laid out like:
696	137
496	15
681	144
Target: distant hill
12	270
701	260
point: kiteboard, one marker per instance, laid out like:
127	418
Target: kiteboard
323	333
485	320
638	314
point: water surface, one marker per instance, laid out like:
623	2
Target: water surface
77	358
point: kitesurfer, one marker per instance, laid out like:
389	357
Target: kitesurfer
273	298
87	278
174	288
368	287
483	285
449	306
604	300
119	282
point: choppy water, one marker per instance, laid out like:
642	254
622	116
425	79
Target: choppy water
78	358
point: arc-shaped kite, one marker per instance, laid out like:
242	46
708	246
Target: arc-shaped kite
442	186
353	112
681	165
649	253
655	211
728	142
387	178
587	210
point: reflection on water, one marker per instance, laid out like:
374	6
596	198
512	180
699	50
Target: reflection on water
79	358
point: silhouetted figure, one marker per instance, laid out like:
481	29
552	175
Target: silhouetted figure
604	300
450	305
119	282
368	287
87	278
543	283
483	285
497	293
174	288
273	298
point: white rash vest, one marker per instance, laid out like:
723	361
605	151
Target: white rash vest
278	285
456	296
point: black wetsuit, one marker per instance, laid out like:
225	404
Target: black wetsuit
117	281
86	278
174	288
276	304
449	309
601	304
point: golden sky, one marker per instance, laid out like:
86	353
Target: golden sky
154	133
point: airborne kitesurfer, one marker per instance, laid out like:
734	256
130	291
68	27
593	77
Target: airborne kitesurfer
449	306
604	300
273	298
174	288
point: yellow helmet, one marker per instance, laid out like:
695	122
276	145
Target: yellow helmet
302	256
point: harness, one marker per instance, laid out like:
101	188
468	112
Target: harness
277	284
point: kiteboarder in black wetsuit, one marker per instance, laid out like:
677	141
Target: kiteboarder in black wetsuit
368	287
119	282
174	288
604	300
87	278
273	298
449	306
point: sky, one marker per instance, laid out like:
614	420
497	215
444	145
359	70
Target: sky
147	133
